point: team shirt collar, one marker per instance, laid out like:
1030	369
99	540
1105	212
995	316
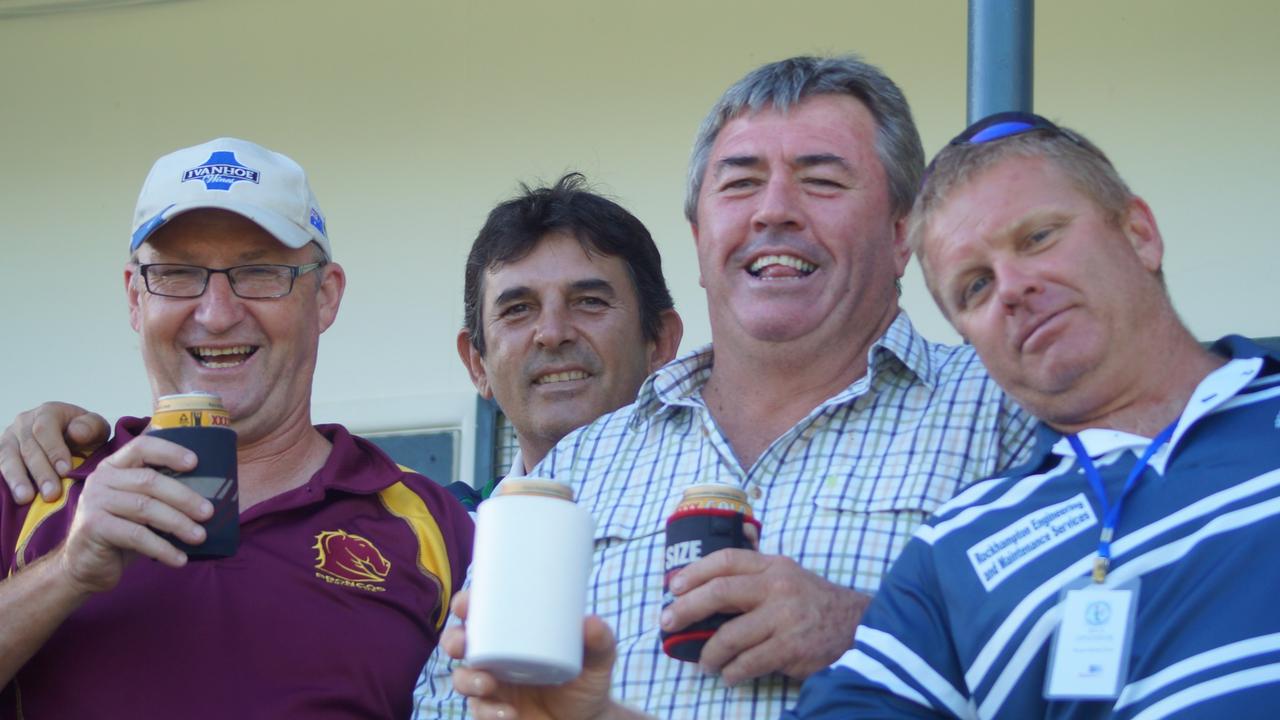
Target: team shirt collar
1217	388
1051	445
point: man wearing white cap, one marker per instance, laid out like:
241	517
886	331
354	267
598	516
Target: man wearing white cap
346	562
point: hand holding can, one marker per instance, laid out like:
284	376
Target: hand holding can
198	422
709	518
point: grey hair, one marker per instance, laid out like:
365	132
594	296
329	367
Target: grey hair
784	84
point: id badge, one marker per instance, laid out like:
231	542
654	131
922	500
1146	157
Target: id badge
1089	656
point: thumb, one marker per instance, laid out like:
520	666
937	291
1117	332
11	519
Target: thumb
87	431
599	645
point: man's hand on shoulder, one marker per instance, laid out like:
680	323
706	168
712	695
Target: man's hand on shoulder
35	451
793	621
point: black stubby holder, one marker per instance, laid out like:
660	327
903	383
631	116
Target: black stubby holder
717	529
215	478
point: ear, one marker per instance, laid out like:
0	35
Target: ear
693	227
329	296
663	350
1139	226
901	248
133	292
474	362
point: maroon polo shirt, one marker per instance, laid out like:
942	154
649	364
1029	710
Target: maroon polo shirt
328	610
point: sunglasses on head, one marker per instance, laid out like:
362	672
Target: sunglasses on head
1007	124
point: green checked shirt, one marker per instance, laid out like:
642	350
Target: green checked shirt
840	492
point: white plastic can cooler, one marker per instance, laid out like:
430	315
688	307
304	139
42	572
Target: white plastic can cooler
529	572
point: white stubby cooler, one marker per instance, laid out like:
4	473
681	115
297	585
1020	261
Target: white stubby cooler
529	572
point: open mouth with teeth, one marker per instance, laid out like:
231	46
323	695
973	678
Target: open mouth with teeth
561	377
222	357
780	266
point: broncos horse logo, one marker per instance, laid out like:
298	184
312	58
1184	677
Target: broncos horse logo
350	557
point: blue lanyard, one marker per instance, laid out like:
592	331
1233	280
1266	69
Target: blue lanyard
1111	513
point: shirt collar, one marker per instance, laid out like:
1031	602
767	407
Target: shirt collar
679	382
1248	360
517	466
1217	388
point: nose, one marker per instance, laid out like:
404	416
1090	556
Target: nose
555	325
778	205
1016	285
220	309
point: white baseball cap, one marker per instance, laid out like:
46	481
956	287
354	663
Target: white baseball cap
236	175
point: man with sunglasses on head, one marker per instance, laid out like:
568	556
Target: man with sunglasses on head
1128	569
346	562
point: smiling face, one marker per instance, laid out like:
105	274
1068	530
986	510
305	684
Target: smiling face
794	231
257	355
1047	286
563	341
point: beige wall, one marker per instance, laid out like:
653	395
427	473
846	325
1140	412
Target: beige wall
414	118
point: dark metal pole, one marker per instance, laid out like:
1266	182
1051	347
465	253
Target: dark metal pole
1001	44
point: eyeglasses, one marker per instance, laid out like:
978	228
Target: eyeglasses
251	282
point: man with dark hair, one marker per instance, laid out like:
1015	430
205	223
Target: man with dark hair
1128	569
566	313
816	397
346	562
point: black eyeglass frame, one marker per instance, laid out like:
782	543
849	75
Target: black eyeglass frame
295	271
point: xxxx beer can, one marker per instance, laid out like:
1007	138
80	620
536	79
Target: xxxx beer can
199	422
708	518
196	409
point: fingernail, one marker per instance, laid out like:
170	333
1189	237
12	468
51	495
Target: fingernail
22	495
197	533
62	466
677	585
206	507
49	489
666	619
189	458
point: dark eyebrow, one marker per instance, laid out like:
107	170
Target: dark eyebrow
511	295
524	292
736	161
822	159
600	285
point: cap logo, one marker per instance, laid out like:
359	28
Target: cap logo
350	560
317	221
221	171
